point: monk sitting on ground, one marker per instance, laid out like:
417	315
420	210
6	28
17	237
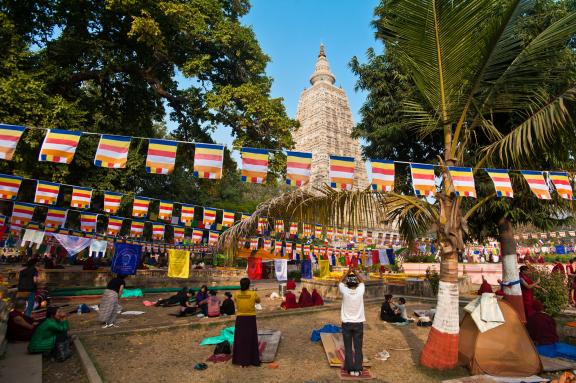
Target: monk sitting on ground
541	326
20	327
484	287
305	299
317	299
289	301
290	285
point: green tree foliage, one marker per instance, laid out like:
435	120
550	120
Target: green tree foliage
555	293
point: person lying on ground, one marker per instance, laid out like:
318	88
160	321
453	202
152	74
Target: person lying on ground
213	305
52	330
185	306
541	326
227	307
202	300
389	312
305	299
173	300
316	298
289	301
20	327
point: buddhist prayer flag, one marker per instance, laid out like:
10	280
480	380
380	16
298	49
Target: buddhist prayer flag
22	213
197	236
112	152
572	233
307	229
330	232
360	235
81	197
59	146
178	233
254	165
178	263
537	183
208	161
112	202
137	228
293	228
318	231
341	172
114	225
212	238
382	175
298	168
209	217
46	192
244	216
187	214
288	249
161	156
254	243
88	222
157	231
228	218
55	218
463	181
140	206
165	211
423	180
562	184
279	225
9	186
501	181
262	225
9	137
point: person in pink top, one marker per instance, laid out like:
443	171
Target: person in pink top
213	305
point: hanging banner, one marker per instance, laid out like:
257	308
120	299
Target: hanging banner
46	192
165	211
306	269
307	230
22	213
72	243
178	263
9	186
262	225
561	183
59	146
208	160
298	168
112	202
254	165
136	228
161	156
537	183
209	217
318	231
227	218
279	226
254	243
463	181
178	234
281	269
254	268
140	207
197	236
114	225
502	182
213	238
55	218
382	175
187	215
423	180
81	197
341	172
157	231
9	137
88	222
126	258
112	152
324	266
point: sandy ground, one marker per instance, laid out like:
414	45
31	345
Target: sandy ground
70	370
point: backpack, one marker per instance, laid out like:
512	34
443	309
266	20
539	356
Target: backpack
223	348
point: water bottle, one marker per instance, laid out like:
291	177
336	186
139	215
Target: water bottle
79	311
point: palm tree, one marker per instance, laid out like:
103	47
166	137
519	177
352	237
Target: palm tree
469	66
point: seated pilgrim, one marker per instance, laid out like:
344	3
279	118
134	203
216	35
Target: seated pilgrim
389	312
289	301
485	287
305	299
20	327
186	307
316	298
541	326
227	307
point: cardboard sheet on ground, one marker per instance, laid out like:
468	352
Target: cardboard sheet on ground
366	375
132	312
556	364
268	341
334	348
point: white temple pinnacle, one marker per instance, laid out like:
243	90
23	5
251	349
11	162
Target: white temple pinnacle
322	72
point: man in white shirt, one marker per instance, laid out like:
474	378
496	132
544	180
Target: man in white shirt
352	289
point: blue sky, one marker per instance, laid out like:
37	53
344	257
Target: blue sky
290	32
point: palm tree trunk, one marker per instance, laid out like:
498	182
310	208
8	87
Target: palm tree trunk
513	293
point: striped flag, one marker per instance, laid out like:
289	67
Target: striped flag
187	215
341	172
140	206
161	156
267	244
360	235
307	229
293	228
423	180
9	186
298	168
88	222
244	216
178	233
501	181
213	238
157	231
81	197
208	161
562	184
463	181
112	202
572	233
318	231
330	233
165	211
209	217
112	152
46	192
262	225
22	213
254	243
197	236
55	218
279	225
136	228
254	165
59	146
114	225
9	137
537	183
228	218
288	249
382	175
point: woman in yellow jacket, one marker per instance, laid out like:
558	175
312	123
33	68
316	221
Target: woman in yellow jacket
245	349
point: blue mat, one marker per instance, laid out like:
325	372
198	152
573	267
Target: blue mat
557	350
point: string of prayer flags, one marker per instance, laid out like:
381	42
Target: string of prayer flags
502	182
382	175
293	228
341	172
279	225
9	137
298	168
22	213
114	225
254	243
187	214
112	152
9	186
46	192
423	180
318	231
227	218
288	249
81	197
161	156
208	161
136	228
178	234
88	222
360	235
213	238
112	202
197	236
307	229
165	211
157	231
262	225
55	218
463	181
537	183
140	207
330	233
561	182
59	146
254	165
350	234
209	217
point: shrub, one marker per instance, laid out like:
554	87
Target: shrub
555	298
433	278
295	275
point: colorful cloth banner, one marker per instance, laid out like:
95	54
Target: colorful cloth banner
306	269
537	183
253	243
165	211
136	228
88	222
46	193
423	180
267	244
114	225
178	233
228	218
9	137
318	231
501	181
298	168
279	225
33	236
55	218
187	215
244	216
112	202
22	213
281	269
157	231
208	161
73	244
161	156
330	233
209	217
140	206
561	184
288	250
213	238
81	197
112	152
9	186
382	175
254	165
197	236
178	263
59	146
324	266
463	181
307	229
126	258
262	225
341	172
254	270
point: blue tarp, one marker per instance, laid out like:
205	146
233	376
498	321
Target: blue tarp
559	349
328	328
226	334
